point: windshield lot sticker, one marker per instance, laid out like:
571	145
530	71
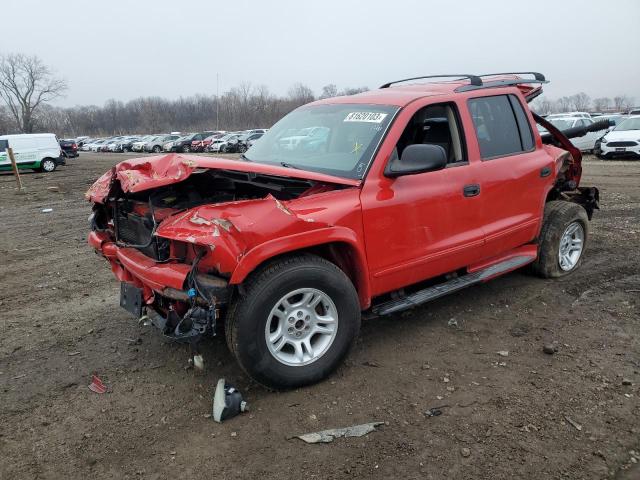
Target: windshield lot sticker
369	117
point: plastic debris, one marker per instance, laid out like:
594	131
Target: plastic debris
503	353
327	436
573	423
47	210
227	402
96	385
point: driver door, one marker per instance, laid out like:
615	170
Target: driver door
424	225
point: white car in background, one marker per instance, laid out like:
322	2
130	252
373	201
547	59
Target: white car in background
569	114
586	143
139	145
624	139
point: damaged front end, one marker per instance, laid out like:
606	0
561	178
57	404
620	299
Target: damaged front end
174	230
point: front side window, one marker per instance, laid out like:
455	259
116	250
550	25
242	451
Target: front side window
435	125
338	139
501	126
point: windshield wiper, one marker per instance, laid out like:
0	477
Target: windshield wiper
244	157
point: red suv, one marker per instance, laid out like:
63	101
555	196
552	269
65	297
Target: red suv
369	203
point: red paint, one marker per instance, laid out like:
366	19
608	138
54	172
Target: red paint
393	232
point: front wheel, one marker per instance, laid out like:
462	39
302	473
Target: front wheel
562	239
156	149
186	149
294	322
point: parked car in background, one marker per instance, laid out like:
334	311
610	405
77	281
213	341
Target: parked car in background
156	144
69	148
587	142
623	140
139	145
37	151
253	139
126	144
201	141
179	144
97	145
569	114
220	145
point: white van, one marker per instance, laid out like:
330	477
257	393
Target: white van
38	151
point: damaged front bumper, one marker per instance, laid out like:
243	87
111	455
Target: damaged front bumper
161	292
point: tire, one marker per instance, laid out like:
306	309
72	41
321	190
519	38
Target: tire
565	226
222	149
251	319
242	148
186	149
156	149
48	165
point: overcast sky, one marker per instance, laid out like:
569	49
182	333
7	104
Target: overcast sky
126	49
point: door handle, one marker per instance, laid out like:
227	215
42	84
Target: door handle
471	190
545	172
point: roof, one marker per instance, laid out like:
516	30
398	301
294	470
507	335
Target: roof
401	95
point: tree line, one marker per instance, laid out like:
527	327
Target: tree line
27	87
581	102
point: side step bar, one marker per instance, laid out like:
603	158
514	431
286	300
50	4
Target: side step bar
450	286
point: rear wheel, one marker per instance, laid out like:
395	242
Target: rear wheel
48	165
186	149
156	149
562	239
294	322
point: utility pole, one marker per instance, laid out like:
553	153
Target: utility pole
217	101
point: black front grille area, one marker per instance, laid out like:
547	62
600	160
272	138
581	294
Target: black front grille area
622	144
135	230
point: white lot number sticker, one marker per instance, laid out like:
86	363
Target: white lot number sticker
369	117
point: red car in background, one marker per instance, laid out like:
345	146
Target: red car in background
202	140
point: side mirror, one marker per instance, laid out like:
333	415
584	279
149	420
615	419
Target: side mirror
417	158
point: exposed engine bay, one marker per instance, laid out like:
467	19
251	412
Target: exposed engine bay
131	220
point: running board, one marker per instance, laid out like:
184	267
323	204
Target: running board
450	286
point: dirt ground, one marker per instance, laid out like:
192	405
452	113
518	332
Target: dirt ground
525	415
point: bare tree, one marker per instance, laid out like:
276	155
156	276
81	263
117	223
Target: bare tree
25	85
622	102
580	101
543	106
329	91
601	104
354	90
301	94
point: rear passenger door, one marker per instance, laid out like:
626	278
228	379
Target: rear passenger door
515	173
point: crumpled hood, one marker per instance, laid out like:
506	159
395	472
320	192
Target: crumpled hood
141	174
232	229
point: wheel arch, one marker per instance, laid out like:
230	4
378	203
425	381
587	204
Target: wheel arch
339	245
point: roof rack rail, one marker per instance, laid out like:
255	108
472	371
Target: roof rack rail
538	78
475	80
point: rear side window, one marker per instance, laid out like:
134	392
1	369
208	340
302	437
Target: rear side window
501	126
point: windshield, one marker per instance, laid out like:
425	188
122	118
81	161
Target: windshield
629	124
561	124
334	139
